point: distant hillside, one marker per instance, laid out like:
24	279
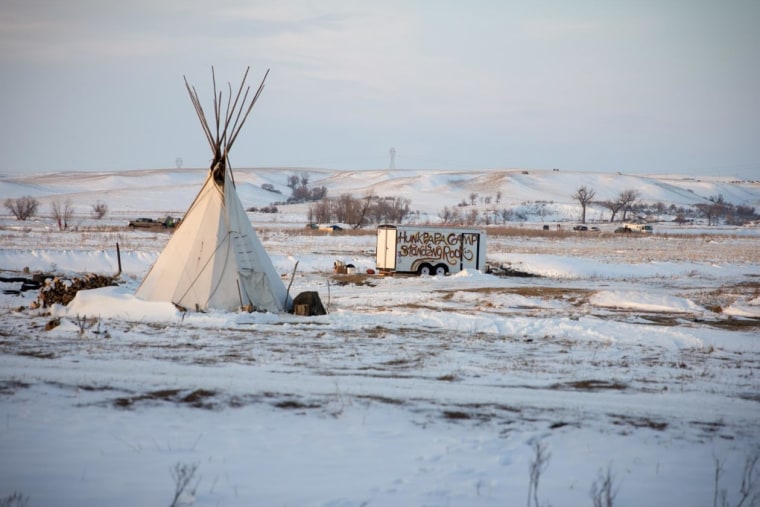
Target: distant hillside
542	194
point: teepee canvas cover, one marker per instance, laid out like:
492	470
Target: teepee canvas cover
214	260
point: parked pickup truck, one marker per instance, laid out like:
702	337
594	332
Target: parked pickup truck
149	223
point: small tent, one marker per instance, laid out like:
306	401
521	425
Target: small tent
214	259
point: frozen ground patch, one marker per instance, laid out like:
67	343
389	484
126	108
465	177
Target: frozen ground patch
641	355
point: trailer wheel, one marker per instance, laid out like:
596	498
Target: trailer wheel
425	270
441	270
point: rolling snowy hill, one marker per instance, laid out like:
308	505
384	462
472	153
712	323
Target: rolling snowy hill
172	190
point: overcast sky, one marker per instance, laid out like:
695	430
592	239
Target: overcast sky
646	86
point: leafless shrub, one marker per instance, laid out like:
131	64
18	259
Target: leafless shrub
99	210
183	474
445	215
15	499
536	468
84	324
62	213
337	403
749	489
23	207
603	490
472	217
450	216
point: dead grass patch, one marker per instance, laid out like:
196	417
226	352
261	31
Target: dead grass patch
198	398
456	415
380	399
538	292
638	422
39	354
296	405
9	387
661	320
263	230
403	363
478	411
357	279
711	428
731	324
91	388
507	231
589	385
749	396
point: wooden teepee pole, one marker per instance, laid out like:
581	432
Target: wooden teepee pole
226	127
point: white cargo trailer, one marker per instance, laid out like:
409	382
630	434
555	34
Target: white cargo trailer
427	250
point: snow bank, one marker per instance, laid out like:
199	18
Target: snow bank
644	301
744	308
118	303
75	261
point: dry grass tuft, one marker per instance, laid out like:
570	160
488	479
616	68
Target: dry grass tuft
355	279
589	385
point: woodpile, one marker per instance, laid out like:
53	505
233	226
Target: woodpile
62	290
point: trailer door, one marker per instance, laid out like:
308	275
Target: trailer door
469	257
386	248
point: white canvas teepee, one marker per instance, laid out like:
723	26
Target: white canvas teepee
214	260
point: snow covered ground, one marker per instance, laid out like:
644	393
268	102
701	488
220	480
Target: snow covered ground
638	356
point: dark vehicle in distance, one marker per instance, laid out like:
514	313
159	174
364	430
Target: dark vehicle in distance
149	223
144	223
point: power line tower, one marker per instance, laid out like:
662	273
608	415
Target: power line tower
392	153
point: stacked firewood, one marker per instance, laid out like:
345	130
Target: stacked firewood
62	290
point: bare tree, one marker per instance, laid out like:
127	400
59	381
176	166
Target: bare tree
498	197
317	193
389	209
22	207
62	213
473	216
473	198
347	209
625	202
627	199
584	196
716	209
613	206
363	209
445	215
321	211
